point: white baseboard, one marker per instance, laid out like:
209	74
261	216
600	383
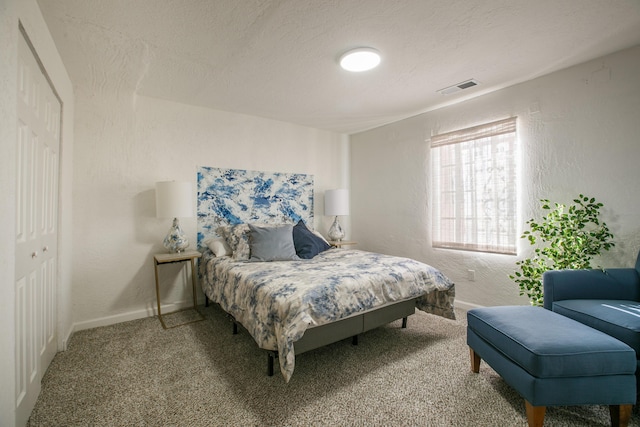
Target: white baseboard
117	318
466	306
65	340
125	317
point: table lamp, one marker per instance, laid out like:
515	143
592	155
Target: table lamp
173	200
336	202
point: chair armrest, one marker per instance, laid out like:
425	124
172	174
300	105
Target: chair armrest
613	283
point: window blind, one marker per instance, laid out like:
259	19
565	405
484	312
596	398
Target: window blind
474	188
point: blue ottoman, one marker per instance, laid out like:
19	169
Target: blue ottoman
552	360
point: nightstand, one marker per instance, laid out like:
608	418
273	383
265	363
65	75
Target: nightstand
169	258
341	243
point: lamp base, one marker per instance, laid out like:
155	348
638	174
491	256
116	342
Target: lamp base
335	232
176	240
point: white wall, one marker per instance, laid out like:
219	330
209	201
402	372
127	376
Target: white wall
579	132
8	117
124	144
11	13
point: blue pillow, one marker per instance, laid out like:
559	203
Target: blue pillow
272	243
307	244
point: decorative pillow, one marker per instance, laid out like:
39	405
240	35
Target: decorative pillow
306	242
237	237
272	243
218	246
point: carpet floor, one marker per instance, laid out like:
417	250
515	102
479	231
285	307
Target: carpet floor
138	374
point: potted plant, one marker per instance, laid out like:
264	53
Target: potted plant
566	238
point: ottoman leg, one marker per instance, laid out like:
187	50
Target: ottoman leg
475	361
535	414
620	415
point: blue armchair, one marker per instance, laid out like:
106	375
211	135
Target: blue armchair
607	300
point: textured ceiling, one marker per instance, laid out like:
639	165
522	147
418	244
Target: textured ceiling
278	59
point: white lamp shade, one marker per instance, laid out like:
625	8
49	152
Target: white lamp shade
173	199
336	202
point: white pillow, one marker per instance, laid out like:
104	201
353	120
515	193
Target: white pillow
317	233
218	246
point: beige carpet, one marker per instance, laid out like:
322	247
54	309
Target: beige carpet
137	374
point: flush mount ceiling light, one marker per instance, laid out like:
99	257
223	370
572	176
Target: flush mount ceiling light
361	59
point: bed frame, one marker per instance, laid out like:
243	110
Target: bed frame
349	327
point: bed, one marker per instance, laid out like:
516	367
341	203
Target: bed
292	302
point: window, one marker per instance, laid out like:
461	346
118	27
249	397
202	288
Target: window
474	188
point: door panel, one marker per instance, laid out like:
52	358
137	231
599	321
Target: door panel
38	144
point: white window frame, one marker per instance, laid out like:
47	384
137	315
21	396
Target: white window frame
474	188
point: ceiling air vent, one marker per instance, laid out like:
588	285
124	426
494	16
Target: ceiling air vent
458	87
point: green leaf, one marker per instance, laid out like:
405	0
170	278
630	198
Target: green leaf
567	237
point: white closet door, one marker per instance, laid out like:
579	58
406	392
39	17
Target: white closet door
38	146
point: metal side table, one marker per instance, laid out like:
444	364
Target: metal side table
169	258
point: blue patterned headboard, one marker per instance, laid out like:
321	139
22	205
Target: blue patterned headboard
235	196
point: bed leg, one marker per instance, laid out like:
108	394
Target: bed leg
271	355
354	340
206	301
404	323
235	324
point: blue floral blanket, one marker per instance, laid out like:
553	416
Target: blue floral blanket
277	301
